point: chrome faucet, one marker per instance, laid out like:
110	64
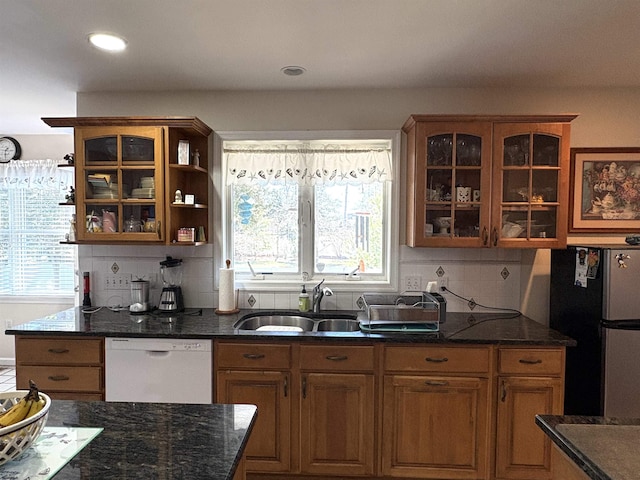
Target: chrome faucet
318	295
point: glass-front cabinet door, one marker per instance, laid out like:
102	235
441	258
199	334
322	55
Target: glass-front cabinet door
120	184
452	181
530	185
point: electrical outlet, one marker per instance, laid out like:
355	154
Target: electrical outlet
413	283
443	283
118	282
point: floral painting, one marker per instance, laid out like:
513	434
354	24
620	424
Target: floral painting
605	185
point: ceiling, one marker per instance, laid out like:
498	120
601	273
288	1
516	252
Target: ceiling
243	44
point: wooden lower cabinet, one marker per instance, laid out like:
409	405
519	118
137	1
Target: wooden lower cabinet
435	427
530	382
337	410
64	368
427	411
564	468
258	374
436	412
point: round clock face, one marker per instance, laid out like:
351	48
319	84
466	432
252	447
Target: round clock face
9	149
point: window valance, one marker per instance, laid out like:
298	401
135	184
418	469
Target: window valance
35	174
308	163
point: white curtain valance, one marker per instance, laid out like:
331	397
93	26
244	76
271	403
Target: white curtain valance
308	164
35	174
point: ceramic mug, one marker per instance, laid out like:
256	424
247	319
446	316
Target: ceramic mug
463	194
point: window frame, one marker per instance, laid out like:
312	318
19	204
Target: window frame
223	247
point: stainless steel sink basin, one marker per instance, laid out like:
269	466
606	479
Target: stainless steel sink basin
337	325
296	323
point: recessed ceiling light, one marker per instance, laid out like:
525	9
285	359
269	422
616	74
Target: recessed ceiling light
293	70
108	42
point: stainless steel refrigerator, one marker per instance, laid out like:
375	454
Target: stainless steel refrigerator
599	307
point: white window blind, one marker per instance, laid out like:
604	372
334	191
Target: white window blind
33	262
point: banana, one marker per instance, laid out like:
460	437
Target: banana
16	413
28	405
36	406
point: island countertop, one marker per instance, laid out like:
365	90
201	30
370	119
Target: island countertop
488	328
603	448
155	440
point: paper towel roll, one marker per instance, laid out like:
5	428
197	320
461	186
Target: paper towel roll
226	293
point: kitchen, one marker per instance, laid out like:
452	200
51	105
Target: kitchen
606	118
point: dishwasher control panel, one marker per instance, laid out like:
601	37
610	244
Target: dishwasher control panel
159	344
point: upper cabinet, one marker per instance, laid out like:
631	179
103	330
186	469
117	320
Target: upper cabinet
481	181
128	172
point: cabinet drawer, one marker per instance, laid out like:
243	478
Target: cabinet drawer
253	355
60	379
337	358
59	351
531	361
437	359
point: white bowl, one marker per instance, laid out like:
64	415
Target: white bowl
18	437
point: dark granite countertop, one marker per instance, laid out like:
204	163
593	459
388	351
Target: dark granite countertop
604	448
155	440
489	328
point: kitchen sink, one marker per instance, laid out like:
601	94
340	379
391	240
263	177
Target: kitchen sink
261	322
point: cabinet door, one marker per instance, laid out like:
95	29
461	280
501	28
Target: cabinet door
530	185
448	179
435	427
269	446
119	184
337	424
523	451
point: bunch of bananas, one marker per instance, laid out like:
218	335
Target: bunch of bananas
28	406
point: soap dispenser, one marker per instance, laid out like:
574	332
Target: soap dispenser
304	303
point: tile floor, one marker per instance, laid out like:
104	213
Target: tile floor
7	379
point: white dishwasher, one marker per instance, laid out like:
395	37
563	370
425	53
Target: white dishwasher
162	370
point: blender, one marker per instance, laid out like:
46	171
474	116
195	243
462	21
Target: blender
171	297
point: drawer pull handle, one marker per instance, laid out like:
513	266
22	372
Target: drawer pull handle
436	383
436	360
253	356
58	378
59	350
530	361
337	358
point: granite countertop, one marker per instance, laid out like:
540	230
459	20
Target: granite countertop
489	328
604	448
155	440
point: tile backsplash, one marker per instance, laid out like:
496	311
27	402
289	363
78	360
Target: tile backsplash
489	277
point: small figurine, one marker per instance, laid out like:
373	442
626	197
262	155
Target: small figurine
621	257
71	196
69	157
196	158
71	236
178	197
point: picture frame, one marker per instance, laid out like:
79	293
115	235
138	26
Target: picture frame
605	190
183	152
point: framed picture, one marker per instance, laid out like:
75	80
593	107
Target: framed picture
183	152
605	190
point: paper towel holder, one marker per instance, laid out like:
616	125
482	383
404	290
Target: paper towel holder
235	293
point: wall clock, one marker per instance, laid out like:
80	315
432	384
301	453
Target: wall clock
9	149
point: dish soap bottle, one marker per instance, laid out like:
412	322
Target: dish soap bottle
303	300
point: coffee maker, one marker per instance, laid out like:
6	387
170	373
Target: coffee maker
171	296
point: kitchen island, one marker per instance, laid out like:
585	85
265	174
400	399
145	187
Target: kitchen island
152	440
602	448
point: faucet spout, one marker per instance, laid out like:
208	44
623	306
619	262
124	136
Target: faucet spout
318	294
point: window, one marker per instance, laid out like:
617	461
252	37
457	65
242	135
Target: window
304	208
33	263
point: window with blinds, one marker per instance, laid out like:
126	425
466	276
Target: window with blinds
32	260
